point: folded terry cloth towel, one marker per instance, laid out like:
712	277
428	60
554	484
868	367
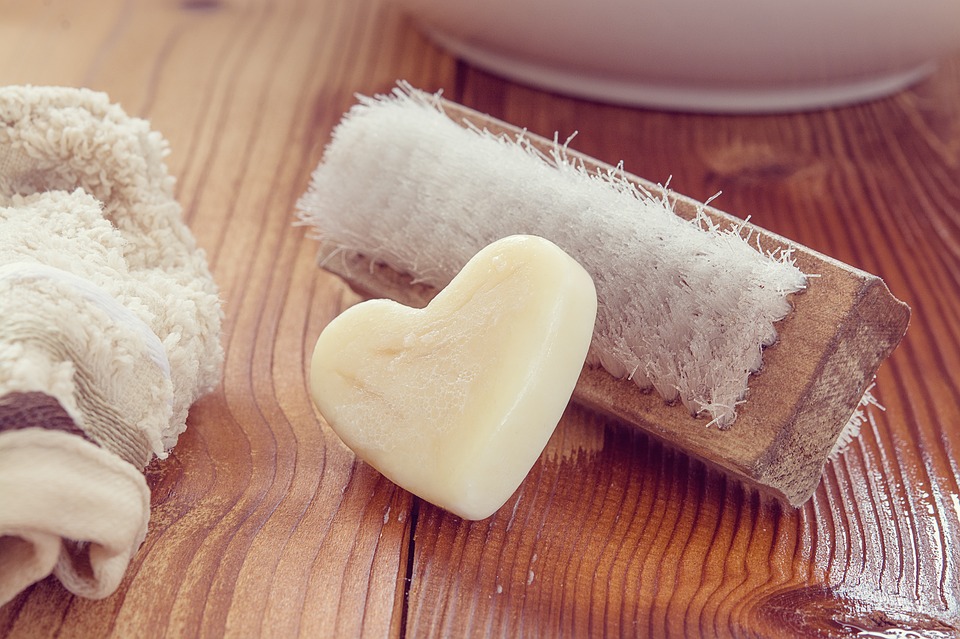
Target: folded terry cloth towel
109	331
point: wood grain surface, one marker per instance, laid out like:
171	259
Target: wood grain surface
263	524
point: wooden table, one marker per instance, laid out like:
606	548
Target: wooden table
263	524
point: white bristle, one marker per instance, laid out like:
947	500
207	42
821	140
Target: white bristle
851	429
684	306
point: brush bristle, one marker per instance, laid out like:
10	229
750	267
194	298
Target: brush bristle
851	430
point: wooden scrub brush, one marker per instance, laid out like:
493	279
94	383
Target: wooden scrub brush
735	345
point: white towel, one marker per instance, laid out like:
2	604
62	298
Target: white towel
109	331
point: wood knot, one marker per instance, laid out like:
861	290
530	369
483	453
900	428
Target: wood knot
751	162
820	611
200	5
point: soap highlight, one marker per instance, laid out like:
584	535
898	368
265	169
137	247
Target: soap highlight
456	401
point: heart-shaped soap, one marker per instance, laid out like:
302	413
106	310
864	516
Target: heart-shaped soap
456	401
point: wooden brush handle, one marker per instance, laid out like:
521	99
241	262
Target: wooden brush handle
827	353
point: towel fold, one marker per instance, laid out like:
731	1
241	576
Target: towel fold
67	507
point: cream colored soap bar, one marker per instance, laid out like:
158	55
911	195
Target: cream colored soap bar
456	401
